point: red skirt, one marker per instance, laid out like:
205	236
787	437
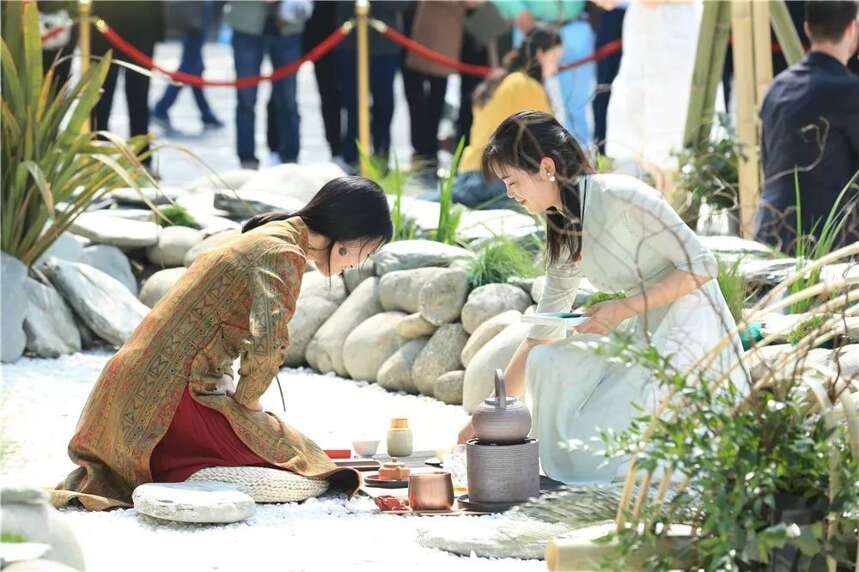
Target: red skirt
198	438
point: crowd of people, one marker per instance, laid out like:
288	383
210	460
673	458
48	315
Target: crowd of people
630	104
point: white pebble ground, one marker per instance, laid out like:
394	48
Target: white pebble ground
42	399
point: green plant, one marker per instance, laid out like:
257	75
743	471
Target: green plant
449	214
175	215
744	461
805	328
51	170
499	259
393	182
734	288
12	537
808	248
604	164
599	297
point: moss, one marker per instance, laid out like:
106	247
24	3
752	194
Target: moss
174	215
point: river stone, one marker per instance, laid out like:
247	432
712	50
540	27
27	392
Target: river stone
27	512
106	305
442	298
233	179
200	502
585	291
415	326
298	182
491	223
439	356
396	373
733	247
325	351
88	337
448	387
173	244
66	247
410	254
139	197
846	361
486	331
49	324
354	276
762	360
480	373
210	243
490	300
113	262
526	284
401	289
102	228
370	344
247	203
310	313
12	276
157	285
314	284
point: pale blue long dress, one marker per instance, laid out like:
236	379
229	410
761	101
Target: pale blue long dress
631	239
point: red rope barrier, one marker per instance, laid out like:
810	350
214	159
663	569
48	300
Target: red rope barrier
54	32
603	52
313	55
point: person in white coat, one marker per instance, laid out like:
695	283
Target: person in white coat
621	235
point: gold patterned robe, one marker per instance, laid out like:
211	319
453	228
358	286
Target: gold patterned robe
234	302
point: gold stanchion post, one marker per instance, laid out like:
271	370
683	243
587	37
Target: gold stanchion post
362	11
85	12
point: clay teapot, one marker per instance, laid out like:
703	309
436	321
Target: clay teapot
501	419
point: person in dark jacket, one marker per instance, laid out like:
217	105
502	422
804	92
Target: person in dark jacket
193	18
142	25
810	134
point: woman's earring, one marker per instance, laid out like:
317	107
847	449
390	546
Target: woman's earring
343	251
552	178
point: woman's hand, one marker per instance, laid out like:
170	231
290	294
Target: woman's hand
467	433
605	317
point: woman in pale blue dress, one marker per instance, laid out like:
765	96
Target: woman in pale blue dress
621	235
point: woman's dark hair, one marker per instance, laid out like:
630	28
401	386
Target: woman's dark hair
521	142
524	59
345	209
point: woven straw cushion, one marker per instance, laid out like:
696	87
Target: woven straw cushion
264	484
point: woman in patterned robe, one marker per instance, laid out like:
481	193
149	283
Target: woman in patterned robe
164	407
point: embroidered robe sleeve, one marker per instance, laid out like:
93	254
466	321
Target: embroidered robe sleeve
274	289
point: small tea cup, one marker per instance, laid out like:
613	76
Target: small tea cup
431	491
365	447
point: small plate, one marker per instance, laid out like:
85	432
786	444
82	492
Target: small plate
374	481
492	507
359	464
433	462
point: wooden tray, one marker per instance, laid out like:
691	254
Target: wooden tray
359	464
375	482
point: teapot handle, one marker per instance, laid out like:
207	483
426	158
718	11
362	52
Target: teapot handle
500	389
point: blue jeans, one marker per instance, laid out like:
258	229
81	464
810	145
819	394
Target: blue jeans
383	70
577	85
248	51
472	190
192	63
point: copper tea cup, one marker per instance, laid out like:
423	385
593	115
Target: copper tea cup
431	491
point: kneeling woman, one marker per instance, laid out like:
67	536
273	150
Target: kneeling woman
164	407
621	235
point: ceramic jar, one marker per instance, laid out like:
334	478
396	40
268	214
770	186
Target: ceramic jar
500	419
399	438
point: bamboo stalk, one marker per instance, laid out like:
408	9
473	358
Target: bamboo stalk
642	493
744	87
701	74
84	11
786	34
763	50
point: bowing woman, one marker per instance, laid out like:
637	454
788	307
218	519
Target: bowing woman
164	406
621	235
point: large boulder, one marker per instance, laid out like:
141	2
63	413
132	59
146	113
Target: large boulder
106	305
489	301
439	356
448	387
247	203
103	228
410	254
49	323
13	273
490	223
845	360
325	351
66	247
585	291
310	313
173	244
209	502
144	196
300	182
763	360
227	180
480	374
209	244
415	326
442	298
370	344
113	262
157	285
27	513
396	373
354	276
315	284
486	331
401	289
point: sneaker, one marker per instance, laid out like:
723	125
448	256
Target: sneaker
252	164
162	121
212	123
